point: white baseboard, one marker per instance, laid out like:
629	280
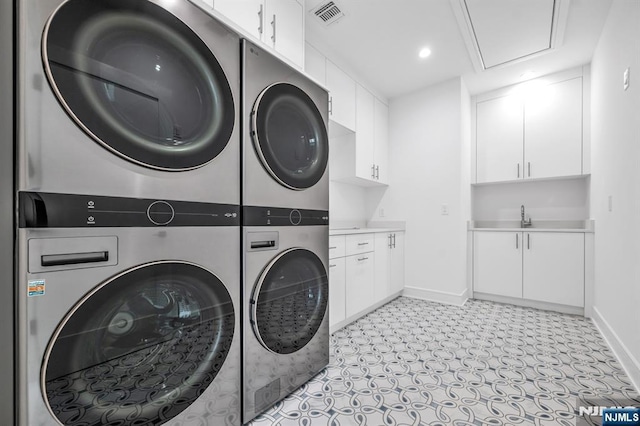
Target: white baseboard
457	299
545	306
628	361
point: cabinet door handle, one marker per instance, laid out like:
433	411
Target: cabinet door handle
273	24
360	259
517	245
518	169
330	105
528	241
363	244
373	171
378	172
529	168
260	19
389	238
394	240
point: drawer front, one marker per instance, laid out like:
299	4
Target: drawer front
359	243
336	246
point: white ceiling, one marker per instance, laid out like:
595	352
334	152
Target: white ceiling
380	40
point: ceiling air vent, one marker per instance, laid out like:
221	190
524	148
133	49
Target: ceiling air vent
328	13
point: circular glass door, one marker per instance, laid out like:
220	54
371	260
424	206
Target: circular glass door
290	136
290	301
139	81
140	348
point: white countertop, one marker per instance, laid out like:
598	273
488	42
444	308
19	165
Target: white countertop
538	226
350	231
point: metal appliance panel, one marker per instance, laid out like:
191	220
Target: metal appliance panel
264	370
216	249
260	70
55	155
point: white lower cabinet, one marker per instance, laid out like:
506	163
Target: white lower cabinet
553	268
497	263
359	282
364	270
539	266
337	290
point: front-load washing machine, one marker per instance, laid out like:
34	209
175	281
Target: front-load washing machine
285	148
285	297
127	98
123	320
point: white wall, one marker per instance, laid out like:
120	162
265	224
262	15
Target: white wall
615	139
546	200
428	162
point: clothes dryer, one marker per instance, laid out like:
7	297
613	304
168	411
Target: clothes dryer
285	299
127	98
285	147
127	312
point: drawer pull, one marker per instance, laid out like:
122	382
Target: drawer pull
332	266
74	258
332	248
360	259
363	244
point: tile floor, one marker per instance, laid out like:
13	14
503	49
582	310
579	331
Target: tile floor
414	362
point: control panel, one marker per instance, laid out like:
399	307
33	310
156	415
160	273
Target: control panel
278	216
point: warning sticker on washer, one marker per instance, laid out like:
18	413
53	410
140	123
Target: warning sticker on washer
36	288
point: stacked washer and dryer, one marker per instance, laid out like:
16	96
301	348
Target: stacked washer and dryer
128	239
285	203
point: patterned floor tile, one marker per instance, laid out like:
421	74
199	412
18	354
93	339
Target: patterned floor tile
415	363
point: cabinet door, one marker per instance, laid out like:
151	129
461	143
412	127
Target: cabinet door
381	140
248	14
285	32
554	267
499	139
365	167
382	267
342	97
553	130
497	263
359	282
337	291
396	276
315	64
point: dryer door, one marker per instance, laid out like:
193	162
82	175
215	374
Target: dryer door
140	348
139	81
289	301
290	136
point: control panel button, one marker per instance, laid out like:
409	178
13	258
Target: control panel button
295	217
160	213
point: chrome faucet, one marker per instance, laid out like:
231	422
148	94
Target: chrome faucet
524	223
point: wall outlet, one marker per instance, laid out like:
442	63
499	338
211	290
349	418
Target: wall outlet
444	209
625	79
381	212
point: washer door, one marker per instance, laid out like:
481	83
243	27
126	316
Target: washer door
290	301
139	81
290	136
140	348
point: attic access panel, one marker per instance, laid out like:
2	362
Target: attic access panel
509	30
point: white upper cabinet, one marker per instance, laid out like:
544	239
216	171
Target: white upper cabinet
381	140
248	14
533	133
553	131
285	29
365	163
315	64
342	96
279	24
499	139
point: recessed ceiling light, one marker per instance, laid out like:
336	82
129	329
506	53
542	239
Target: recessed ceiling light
424	52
